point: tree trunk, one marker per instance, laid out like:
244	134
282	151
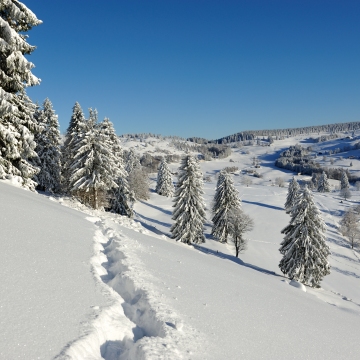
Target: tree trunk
95	199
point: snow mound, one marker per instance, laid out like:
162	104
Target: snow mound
298	285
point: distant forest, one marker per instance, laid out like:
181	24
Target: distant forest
281	133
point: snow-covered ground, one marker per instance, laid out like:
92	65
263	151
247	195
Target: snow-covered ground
89	285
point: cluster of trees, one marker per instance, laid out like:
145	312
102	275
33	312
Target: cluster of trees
304	249
88	165
208	151
151	163
323	138
229	221
93	168
299	160
321	183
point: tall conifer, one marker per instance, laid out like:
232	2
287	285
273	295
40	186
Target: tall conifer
226	200
304	249
293	193
344	181
48	149
93	168
189	207
323	183
164	185
17	123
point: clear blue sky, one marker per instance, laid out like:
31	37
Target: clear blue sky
199	67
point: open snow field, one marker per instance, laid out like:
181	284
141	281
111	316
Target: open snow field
91	285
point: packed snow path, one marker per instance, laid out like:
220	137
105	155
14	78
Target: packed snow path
47	291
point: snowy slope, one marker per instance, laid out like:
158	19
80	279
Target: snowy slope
47	288
90	285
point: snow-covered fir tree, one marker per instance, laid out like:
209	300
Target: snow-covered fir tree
323	183
304	249
121	198
344	181
48	149
164	184
226	200
17	124
219	179
189	207
94	166
293	193
72	135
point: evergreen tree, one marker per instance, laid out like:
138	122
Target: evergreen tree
17	123
94	166
48	149
72	135
323	184
121	197
189	212
226	199
220	178
293	193
344	181
164	185
304	248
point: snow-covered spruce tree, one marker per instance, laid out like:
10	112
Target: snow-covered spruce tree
72	135
48	149
239	223
164	185
220	176
344	181
94	166
17	124
121	198
323	183
189	207
293	193
304	248
226	199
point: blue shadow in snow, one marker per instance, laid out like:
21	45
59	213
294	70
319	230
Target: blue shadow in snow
347	273
236	260
264	205
168	212
150	220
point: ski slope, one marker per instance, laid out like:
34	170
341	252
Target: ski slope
84	284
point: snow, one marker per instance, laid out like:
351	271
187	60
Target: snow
298	285
87	284
47	288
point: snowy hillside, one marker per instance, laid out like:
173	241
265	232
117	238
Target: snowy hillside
85	284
